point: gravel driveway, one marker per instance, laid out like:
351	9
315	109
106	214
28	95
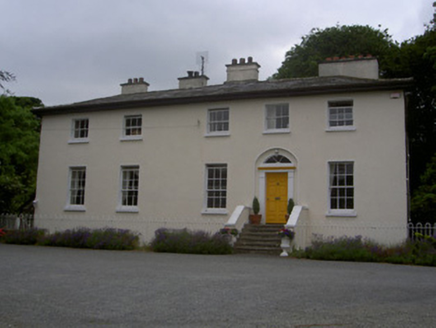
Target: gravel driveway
62	287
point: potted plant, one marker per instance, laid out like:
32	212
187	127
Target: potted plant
289	208
256	217
287	236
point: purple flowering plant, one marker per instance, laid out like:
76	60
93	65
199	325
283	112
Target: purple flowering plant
286	233
229	231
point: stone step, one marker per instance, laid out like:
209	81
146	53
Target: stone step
258	250
259	239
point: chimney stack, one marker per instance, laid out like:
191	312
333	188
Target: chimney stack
193	80
134	86
365	67
243	71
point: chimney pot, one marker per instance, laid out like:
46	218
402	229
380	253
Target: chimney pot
242	61
234	61
190	73
135	80
196	74
250	60
141	80
129	81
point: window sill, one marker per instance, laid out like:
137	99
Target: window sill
277	131
341	129
78	141
133	138
214	211
217	134
341	213
75	208
127	209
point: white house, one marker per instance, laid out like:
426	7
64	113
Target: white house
196	156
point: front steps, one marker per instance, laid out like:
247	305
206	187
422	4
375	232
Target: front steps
259	239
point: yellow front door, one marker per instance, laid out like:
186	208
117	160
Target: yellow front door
276	197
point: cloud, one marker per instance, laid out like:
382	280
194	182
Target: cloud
73	50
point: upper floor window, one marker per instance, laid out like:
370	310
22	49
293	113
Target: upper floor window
341	188
218	121
76	190
340	115
132	128
79	130
129	189
277	118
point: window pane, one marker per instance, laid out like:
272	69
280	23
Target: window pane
80	128
218	120
77	186
216	186
277	116
340	113
129	186
341	185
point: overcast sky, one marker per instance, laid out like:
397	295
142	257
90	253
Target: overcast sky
65	51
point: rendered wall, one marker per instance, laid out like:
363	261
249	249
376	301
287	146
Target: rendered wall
174	151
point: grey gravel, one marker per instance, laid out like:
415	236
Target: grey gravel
62	287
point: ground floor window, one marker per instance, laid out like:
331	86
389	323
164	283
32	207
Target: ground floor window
341	186
216	186
77	186
129	186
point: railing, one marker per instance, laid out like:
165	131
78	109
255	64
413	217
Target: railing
296	222
238	218
426	229
16	221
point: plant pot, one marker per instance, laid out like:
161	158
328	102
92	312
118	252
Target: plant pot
255	218
285	246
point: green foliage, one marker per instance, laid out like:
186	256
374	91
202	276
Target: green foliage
291	205
417	59
420	252
190	242
19	146
256	206
423	205
338	41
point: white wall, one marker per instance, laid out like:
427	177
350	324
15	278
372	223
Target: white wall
174	151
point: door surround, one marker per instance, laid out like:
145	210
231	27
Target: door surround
264	165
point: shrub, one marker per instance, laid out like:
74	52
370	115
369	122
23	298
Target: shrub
193	242
22	237
421	251
106	238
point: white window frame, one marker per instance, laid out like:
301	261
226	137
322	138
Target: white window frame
211	132
346	186
126	136
208	190
275	117
126	188
340	106
75	186
74	129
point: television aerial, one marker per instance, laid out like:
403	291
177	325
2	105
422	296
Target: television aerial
202	58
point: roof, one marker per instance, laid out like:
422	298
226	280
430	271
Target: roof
231	91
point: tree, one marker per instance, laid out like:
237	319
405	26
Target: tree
19	145
338	41
5	77
424	200
413	58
